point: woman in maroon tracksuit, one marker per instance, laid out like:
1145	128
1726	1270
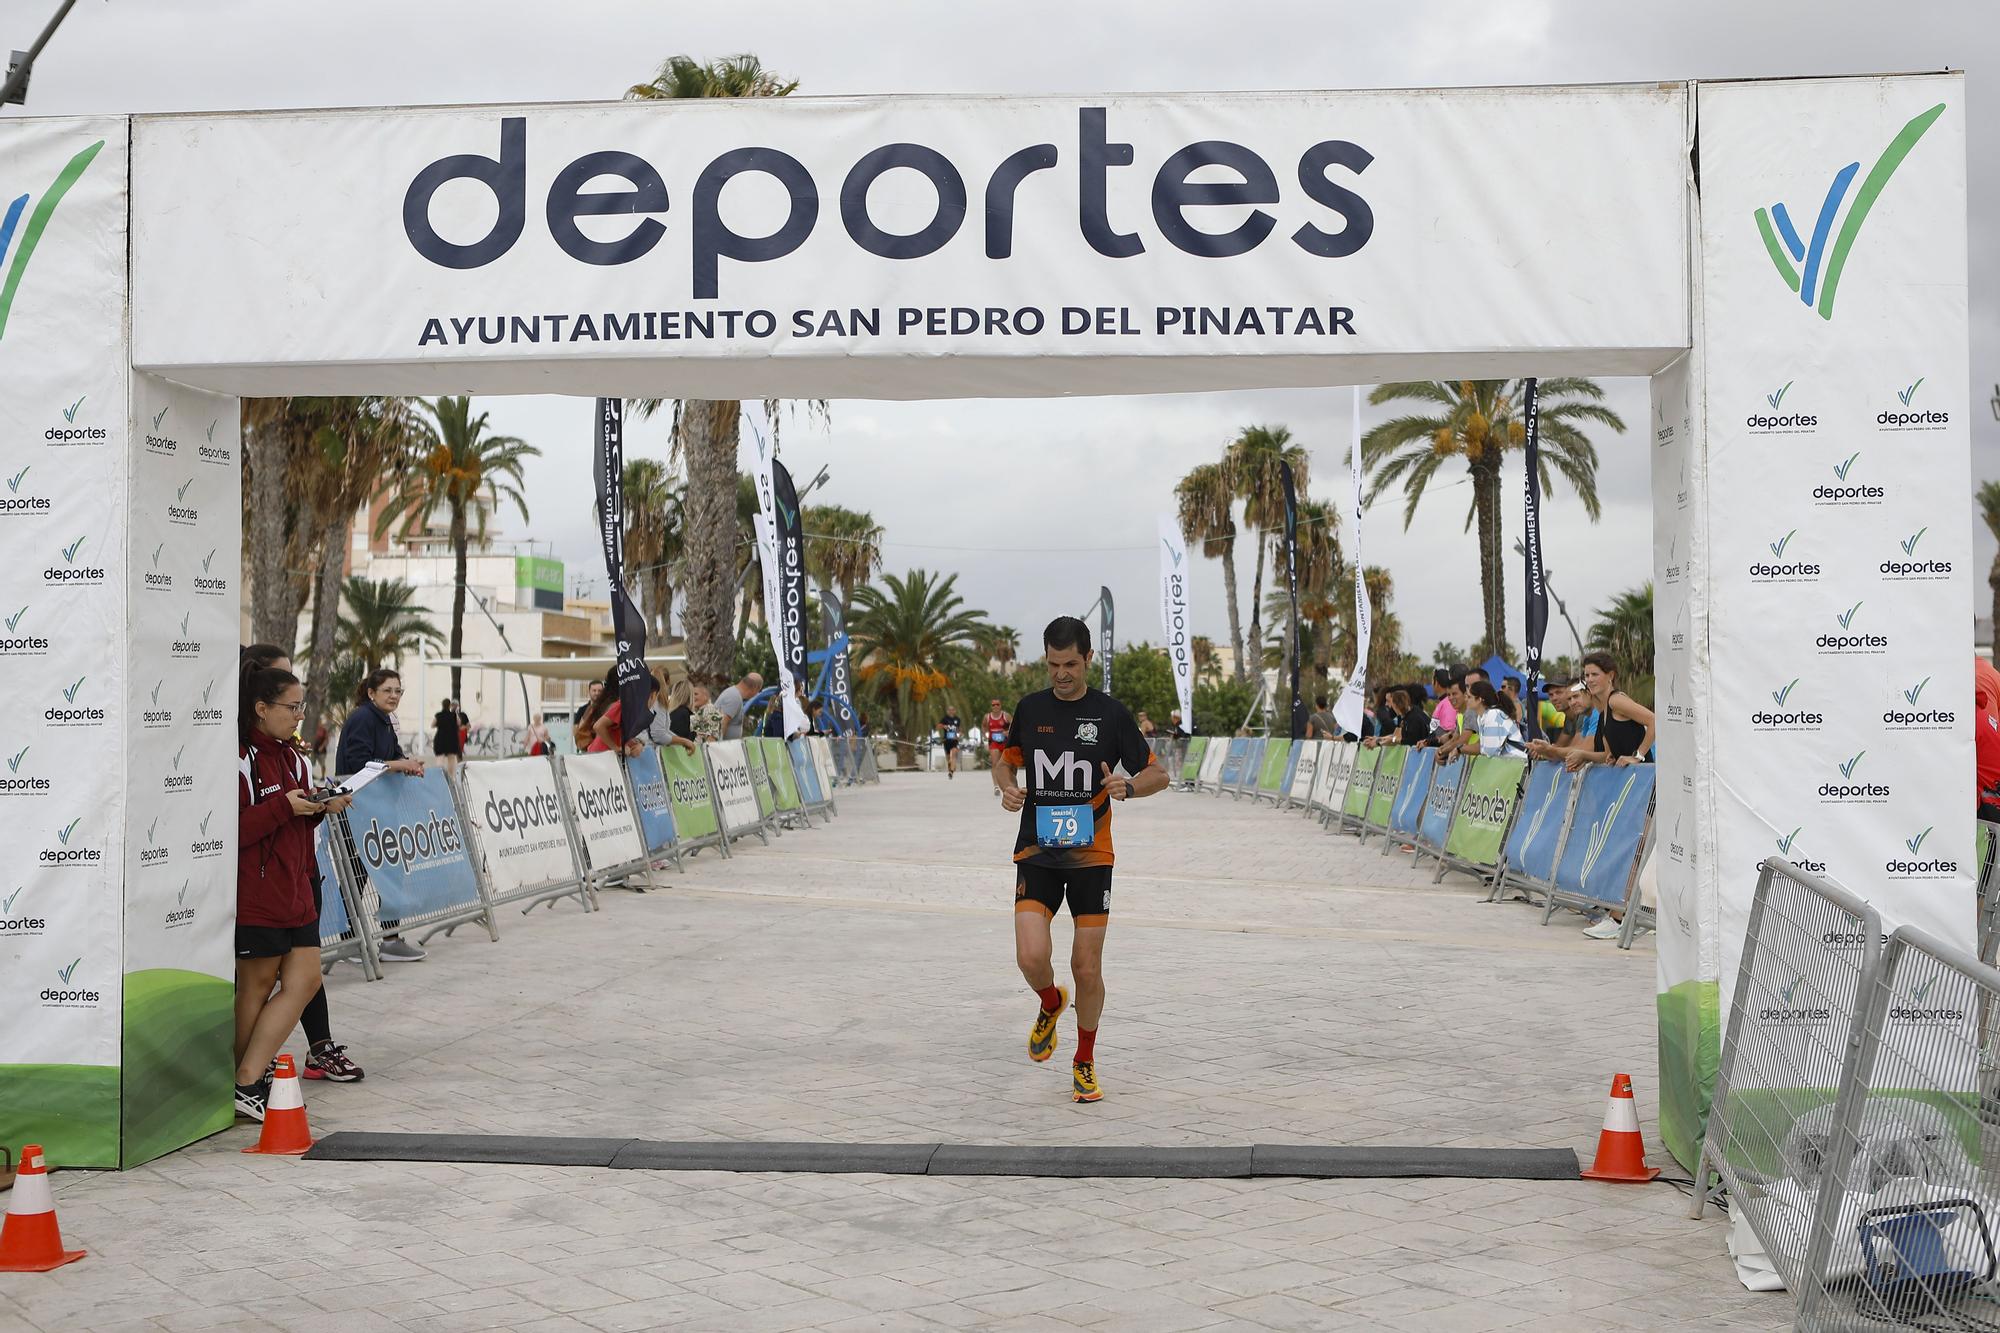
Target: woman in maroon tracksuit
277	923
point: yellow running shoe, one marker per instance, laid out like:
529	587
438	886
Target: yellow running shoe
1083	1083
1042	1038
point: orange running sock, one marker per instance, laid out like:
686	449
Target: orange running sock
1051	999
1086	1046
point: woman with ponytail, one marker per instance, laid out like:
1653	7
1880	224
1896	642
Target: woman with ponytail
277	922
325	1058
369	736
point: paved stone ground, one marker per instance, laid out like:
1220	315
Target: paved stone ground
1268	982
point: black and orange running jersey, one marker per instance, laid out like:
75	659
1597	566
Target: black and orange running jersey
1057	748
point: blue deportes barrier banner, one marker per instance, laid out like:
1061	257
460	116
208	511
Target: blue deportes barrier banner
1531	846
1435	823
1605	832
333	922
656	807
1234	760
1409	803
807	774
406	832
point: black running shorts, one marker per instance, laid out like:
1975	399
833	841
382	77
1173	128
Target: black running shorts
1043	888
275	941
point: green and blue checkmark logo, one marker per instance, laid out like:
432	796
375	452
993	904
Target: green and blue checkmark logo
1905	395
161	415
14	621
1778	697
38	222
14	482
1778	398
1778	546
14	760
1785	843
67	972
1916	844
1812	268
69	552
1916	691
64	832
1840	468
1910	542
1846	617
71	691
7	903
69	413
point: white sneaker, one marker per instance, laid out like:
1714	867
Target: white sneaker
1606	929
400	950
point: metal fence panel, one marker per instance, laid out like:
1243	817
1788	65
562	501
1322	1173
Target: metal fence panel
1213	760
600	810
1360	788
1811	953
1406	807
1440	806
523	844
344	928
1535	842
1388	781
1599	861
1907	1221
407	842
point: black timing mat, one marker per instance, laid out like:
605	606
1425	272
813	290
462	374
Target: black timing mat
948	1159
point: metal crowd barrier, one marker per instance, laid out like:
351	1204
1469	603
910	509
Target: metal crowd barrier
1489	801
1213	760
1305	769
604	818
1811	955
735	790
1906	1223
412	853
1406	803
1439	808
527	849
1535	842
1382	792
1989	895
1360	792
1613	807
340	935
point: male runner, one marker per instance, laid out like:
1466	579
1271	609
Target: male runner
995	726
1068	737
948	728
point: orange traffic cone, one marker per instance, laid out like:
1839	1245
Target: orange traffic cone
285	1131
30	1241
1621	1153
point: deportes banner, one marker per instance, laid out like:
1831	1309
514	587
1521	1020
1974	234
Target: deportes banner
839	671
1406	807
1106	644
634	680
1491	789
729	772
1352	704
895	249
405	830
602	809
1439	802
1536	836
1536	582
517	824
770	564
1175	616
1605	832
655	806
1298	706
687	787
790	615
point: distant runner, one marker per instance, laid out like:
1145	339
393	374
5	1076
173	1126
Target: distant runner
995	726
1074	735
948	728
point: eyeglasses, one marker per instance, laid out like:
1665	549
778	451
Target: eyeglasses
298	707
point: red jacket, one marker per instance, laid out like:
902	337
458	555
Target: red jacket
274	856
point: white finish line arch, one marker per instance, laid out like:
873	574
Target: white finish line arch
1802	309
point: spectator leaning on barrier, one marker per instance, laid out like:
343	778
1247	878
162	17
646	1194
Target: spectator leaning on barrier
1498	731
1320	725
733	700
596	689
603	694
325	1058
1624	729
680	714
369	736
608	732
277	924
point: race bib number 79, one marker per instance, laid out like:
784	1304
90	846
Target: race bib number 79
1064	825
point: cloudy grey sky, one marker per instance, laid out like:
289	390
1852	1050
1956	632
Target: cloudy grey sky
1036	503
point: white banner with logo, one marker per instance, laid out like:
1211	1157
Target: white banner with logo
1175	617
65	440
915	247
771	566
729	772
1829	594
515	815
601	803
1353	701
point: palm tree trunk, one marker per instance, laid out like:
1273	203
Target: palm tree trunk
1492	576
1993	582
458	543
709	440
1235	617
325	617
274	597
660	595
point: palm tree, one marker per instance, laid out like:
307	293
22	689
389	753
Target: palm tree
705	431
1255	465
1625	630
911	640
1479	421
1319	562
1002	647
382	623
654	532
1988	496
1207	514
469	473
843	548
1203	648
